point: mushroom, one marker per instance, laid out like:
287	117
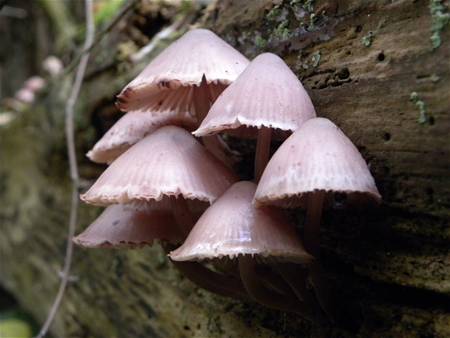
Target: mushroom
25	95
233	228
130	225
135	125
53	66
312	164
315	161
267	95
196	55
199	60
168	165
35	83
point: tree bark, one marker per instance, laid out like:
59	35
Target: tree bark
372	68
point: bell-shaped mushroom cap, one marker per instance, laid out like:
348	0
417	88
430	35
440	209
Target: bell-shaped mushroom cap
25	95
232	226
35	83
266	94
169	162
316	157
197	53
127	225
134	126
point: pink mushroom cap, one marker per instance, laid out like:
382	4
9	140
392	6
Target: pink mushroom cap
135	125
196	55
232	226
167	163
35	83
317	157
53	65
266	94
25	95
128	225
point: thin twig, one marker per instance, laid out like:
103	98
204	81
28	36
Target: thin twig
70	139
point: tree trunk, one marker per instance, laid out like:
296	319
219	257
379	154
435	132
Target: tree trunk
379	69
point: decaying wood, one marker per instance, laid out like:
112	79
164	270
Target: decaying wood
370	66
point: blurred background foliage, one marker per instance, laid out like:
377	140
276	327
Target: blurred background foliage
14	321
31	43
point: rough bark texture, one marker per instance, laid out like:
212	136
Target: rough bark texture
371	67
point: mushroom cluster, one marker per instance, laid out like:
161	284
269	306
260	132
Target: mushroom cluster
228	236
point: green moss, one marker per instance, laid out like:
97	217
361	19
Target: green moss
368	39
186	7
107	10
308	5
423	115
15	328
440	18
290	19
315	58
274	13
304	10
260	42
282	31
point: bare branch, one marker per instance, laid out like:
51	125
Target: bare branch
70	139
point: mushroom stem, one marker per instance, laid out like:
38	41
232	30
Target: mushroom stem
202	103
312	245
208	279
323	291
312	225
263	295
182	214
194	271
296	278
273	278
262	151
216	147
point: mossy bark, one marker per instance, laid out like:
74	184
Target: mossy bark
360	62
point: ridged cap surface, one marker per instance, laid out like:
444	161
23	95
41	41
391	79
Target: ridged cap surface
169	162
129	226
135	125
197	53
232	226
266	94
318	156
